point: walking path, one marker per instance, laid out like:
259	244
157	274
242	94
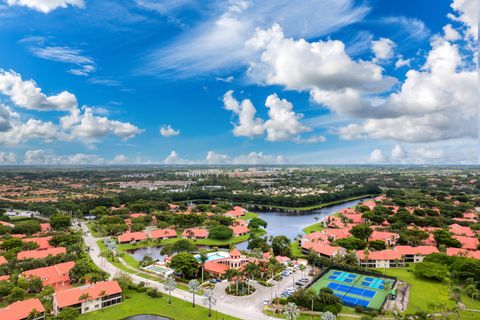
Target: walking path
237	308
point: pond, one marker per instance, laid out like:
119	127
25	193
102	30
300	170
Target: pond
291	224
153	252
146	317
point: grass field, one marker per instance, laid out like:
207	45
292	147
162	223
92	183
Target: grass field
313	228
140	303
422	291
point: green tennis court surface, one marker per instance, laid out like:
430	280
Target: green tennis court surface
355	289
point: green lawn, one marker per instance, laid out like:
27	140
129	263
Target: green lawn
249	215
296	249
313	228
140	303
422	291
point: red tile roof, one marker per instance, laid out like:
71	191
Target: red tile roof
317	236
69	297
462	252
235	253
195	232
43	242
5	277
238	230
469	243
423	250
7	224
163	233
3	260
380	255
132	236
236	212
321	248
214	267
137	215
21	309
52	275
461	230
383	236
45	227
355	217
337	233
40	254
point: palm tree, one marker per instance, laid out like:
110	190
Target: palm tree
203	259
366	253
33	314
291	311
209	299
170	285
250	270
302	268
84	297
102	293
193	286
231	274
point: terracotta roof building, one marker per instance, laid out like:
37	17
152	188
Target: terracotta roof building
56	275
469	243
324	250
3	260
195	233
129	237
42	242
45	227
461	230
415	254
464	253
236	212
163	234
390	238
380	259
40	254
22	310
239	230
100	295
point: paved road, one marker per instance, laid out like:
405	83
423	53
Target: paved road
255	301
239	308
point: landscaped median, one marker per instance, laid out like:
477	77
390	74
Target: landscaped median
136	303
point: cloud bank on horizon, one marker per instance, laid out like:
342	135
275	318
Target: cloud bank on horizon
238	82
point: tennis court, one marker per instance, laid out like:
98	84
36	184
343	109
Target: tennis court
355	289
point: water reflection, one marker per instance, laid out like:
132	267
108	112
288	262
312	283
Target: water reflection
292	224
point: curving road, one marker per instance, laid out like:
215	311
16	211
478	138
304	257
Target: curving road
248	309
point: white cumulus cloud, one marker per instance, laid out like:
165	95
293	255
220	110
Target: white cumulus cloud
168	131
45	6
7	158
283	123
383	49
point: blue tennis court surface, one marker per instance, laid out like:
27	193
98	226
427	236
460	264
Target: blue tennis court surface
342	276
355	289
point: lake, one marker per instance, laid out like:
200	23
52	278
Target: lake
279	223
291	224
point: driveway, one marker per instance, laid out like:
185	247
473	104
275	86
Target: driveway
254	302
236	308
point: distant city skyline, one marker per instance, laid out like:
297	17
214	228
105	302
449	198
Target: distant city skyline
118	82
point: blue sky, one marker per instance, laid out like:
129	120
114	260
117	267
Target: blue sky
94	82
